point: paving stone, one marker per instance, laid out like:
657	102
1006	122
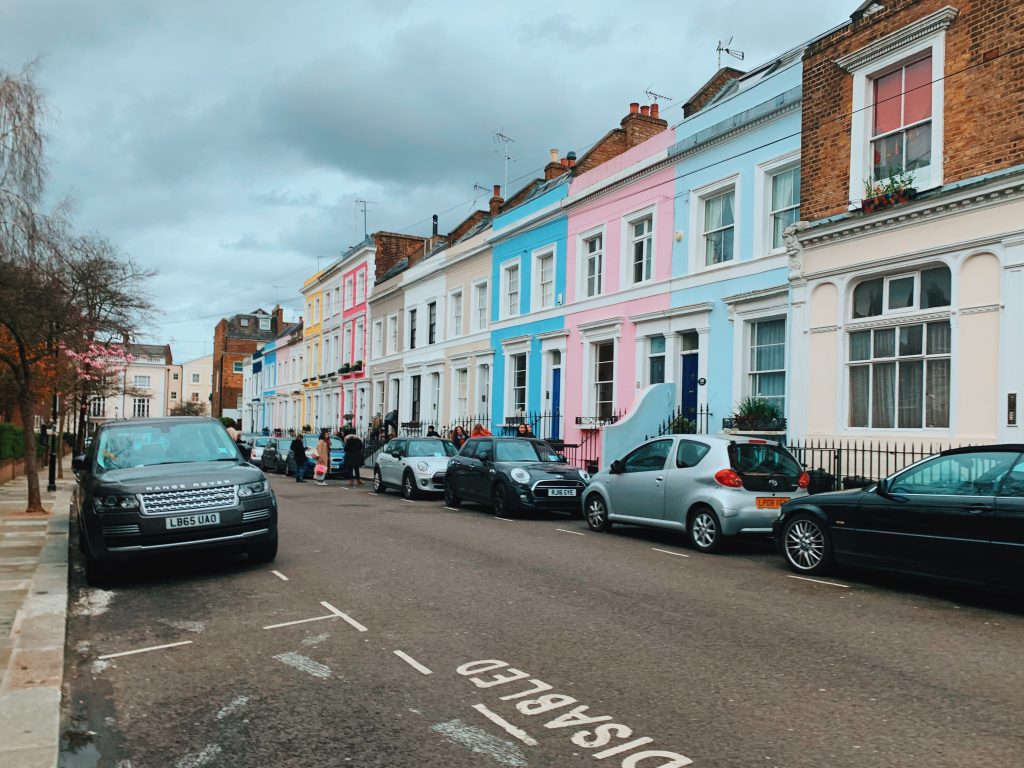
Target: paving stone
30	717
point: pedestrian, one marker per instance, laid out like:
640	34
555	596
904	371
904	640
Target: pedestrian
323	457
431	432
458	436
523	430
391	422
298	448
479	431
354	458
375	428
233	432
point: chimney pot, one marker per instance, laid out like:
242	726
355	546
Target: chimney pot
554	155
565	162
435	226
634	107
645	110
654	109
497	190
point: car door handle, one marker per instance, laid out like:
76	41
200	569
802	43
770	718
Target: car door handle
658	479
978	509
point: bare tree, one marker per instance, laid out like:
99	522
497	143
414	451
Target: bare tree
188	408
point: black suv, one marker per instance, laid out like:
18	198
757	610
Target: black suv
161	485
513	474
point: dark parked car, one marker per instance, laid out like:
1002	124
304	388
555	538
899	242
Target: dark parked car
513	474
956	515
310	441
159	485
275	455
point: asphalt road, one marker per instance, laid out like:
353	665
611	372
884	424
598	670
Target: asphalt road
620	649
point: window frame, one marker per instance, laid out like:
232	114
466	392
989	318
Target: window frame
455	329
431	322
538	256
764	175
481	311
583	240
410	323
628	240
360	287
750	375
378	338
237	367
505	307
512	388
393	338
698	200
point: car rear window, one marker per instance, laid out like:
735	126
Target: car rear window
763	459
431	448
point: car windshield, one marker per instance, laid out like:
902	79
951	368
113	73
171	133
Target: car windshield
434	448
312	440
283	443
524	450
762	459
174	442
262	442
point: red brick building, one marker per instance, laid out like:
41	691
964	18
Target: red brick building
233	339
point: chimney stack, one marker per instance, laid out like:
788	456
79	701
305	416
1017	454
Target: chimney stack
496	201
642	123
554	168
278	319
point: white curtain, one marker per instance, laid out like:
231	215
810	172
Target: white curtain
883	395
911	394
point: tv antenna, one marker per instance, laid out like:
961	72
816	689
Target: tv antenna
501	138
656	96
724	48
360	202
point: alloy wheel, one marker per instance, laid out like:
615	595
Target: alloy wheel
704	530
378	481
597	513
805	544
408	486
499	501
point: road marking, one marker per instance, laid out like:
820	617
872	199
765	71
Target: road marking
201	758
454	509
574	533
304	664
144	650
669	552
301	621
233	706
412	662
506	726
280	575
481	742
818	581
409	500
343	615
506	519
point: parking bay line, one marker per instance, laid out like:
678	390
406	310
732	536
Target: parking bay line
506	726
574	533
144	650
302	621
506	519
280	575
669	552
818	581
413	663
343	615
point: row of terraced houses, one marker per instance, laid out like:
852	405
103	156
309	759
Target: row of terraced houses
838	233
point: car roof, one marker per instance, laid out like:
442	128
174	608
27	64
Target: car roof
722	439
1001	447
502	438
158	420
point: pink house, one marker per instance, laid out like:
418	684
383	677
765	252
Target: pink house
355	288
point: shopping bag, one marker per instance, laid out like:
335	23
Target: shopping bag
320	472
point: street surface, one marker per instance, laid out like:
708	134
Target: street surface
404	634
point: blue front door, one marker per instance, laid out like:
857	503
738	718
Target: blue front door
688	387
556	403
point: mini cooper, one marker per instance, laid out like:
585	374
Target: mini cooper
416	465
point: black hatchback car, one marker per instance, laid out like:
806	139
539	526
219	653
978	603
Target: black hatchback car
148	486
514	474
956	515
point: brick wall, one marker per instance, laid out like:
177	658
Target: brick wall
393	247
710	89
233	342
984	106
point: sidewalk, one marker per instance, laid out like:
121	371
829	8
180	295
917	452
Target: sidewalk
33	614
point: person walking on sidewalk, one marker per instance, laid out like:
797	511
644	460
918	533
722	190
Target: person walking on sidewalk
298	448
323	457
353	458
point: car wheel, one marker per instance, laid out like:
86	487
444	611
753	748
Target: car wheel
264	552
378	481
597	514
806	544
97	573
499	499
705	531
409	491
450	499
287	470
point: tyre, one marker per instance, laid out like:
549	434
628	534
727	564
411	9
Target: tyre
287	469
806	544
500	502
378	481
264	552
450	499
409	491
705	531
596	512
97	572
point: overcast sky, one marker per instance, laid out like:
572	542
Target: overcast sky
224	142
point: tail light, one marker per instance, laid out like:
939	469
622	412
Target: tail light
729	478
804	481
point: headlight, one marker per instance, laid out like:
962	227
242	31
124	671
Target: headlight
520	475
252	489
422	466
116	503
585	476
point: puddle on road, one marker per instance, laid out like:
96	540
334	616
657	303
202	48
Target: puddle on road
78	750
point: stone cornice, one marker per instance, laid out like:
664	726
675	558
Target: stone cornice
930	24
763	293
689	309
980	310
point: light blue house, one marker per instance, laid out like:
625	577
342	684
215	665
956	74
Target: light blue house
527	290
737	187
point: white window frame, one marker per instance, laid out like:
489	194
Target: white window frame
608	331
649	354
460	384
455	318
481	312
881	56
359	341
412	328
627	240
195	378
698	197
433	323
244	322
140	407
582	259
142	381
393	339
264	324
349	292
763	175
378	339
536	294
748	346
360	287
237	367
346	350
510	400
506	288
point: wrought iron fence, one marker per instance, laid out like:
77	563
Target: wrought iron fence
835	465
685	421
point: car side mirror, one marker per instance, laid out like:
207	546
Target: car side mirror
616	467
561	458
79	464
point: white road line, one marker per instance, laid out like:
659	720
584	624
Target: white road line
301	621
343	615
412	662
669	552
505	725
506	519
144	650
280	575
409	500
818	581
454	509
574	533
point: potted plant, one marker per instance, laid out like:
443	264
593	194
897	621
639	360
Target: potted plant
345	368
357	366
898	188
757	413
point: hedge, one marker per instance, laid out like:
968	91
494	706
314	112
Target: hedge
12	442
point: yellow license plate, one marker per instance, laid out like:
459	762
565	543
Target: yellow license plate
769	502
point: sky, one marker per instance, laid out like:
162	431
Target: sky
224	143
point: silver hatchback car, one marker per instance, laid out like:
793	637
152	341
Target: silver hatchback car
708	486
